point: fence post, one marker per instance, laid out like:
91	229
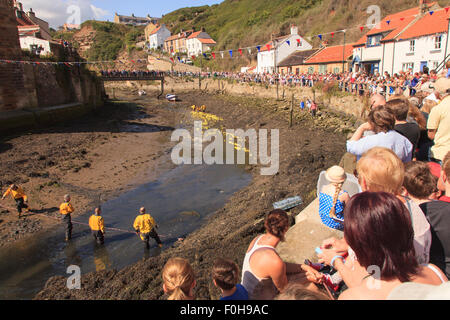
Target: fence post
291	112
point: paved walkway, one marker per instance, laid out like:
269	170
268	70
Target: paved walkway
307	234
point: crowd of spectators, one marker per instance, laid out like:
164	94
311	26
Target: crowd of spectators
395	242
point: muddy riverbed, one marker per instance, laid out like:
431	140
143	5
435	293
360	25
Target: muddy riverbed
310	146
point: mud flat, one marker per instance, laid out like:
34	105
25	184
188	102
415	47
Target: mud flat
308	147
92	158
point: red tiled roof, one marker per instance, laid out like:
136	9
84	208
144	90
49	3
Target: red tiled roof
206	41
174	37
397	23
429	24
331	54
155	31
194	35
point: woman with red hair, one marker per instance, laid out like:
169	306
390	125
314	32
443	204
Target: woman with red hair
379	232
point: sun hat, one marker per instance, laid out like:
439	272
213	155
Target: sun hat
419	291
336	174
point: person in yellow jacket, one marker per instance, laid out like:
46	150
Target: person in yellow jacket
66	209
97	225
19	196
145	226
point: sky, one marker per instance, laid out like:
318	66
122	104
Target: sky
58	12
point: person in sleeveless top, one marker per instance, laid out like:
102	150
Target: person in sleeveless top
264	273
379	231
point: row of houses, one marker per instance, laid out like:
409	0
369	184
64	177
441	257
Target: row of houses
407	40
191	43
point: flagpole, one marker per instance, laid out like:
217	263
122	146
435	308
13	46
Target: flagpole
343	55
446	43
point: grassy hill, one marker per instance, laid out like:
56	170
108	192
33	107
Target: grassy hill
99	40
239	23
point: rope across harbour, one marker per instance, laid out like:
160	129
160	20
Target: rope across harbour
77	222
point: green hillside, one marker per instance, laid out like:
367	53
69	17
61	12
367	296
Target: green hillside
240	23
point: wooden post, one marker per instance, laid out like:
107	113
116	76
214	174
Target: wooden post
114	93
278	98
291	112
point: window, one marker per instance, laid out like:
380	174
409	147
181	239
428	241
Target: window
407	66
435	64
412	46
336	70
374	41
311	70
323	68
438	42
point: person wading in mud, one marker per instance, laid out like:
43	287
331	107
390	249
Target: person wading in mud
145	225
97	225
19	196
66	209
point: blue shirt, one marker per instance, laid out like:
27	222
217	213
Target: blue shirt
240	294
391	140
448	73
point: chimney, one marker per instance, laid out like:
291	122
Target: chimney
423	6
31	13
294	30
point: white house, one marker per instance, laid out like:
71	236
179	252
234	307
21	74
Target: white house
423	44
158	36
279	49
35	44
199	42
407	40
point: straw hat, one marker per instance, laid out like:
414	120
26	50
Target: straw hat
336	174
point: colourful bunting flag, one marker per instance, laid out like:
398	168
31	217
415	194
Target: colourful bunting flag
361	28
268	46
431	13
401	19
388	22
221	54
332	34
205	55
213	55
179	59
446	9
288	42
259	48
249	50
231	53
240	51
320	36
171	59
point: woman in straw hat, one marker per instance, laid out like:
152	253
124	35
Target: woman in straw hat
332	198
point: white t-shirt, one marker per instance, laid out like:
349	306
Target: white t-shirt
422	232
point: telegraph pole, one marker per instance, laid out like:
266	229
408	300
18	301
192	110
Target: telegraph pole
446	43
343	54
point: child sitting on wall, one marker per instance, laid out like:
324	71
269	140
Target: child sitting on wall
332	199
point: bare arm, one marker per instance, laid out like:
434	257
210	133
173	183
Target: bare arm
360	131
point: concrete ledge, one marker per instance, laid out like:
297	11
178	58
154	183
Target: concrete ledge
307	234
33	118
